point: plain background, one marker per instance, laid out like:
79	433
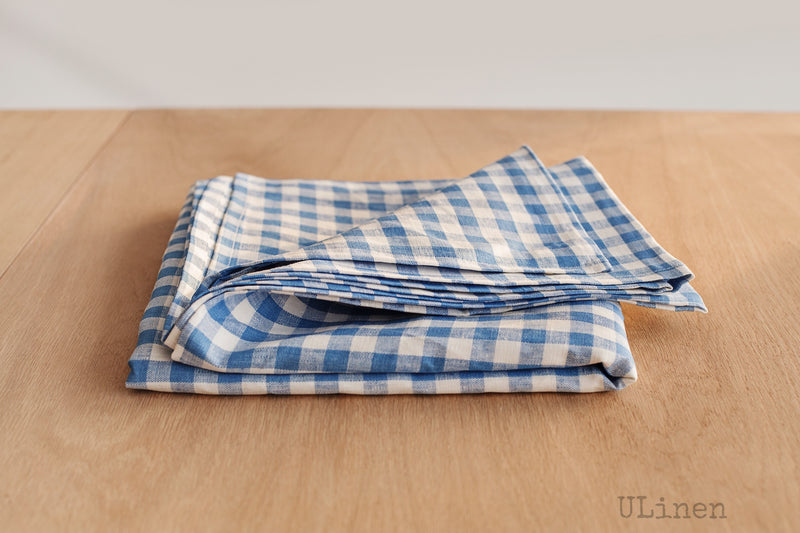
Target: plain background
629	54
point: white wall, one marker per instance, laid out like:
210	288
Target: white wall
683	54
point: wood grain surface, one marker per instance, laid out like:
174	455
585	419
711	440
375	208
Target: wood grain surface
714	417
42	153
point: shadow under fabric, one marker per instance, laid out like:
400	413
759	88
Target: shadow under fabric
507	280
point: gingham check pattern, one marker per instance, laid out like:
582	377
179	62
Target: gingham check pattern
504	281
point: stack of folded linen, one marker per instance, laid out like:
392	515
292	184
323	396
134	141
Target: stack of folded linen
507	280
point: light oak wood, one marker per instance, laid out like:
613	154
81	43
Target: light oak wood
713	418
42	153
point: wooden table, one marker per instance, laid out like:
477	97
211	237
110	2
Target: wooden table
89	200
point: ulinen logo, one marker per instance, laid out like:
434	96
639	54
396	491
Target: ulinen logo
630	505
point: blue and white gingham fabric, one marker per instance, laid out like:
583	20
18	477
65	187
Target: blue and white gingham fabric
504	281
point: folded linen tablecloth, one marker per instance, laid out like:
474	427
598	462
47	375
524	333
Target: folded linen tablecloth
504	281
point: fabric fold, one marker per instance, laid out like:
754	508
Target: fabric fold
510	276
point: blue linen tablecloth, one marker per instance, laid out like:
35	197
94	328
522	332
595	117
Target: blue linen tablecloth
507	280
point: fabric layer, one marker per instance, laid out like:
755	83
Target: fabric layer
504	281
